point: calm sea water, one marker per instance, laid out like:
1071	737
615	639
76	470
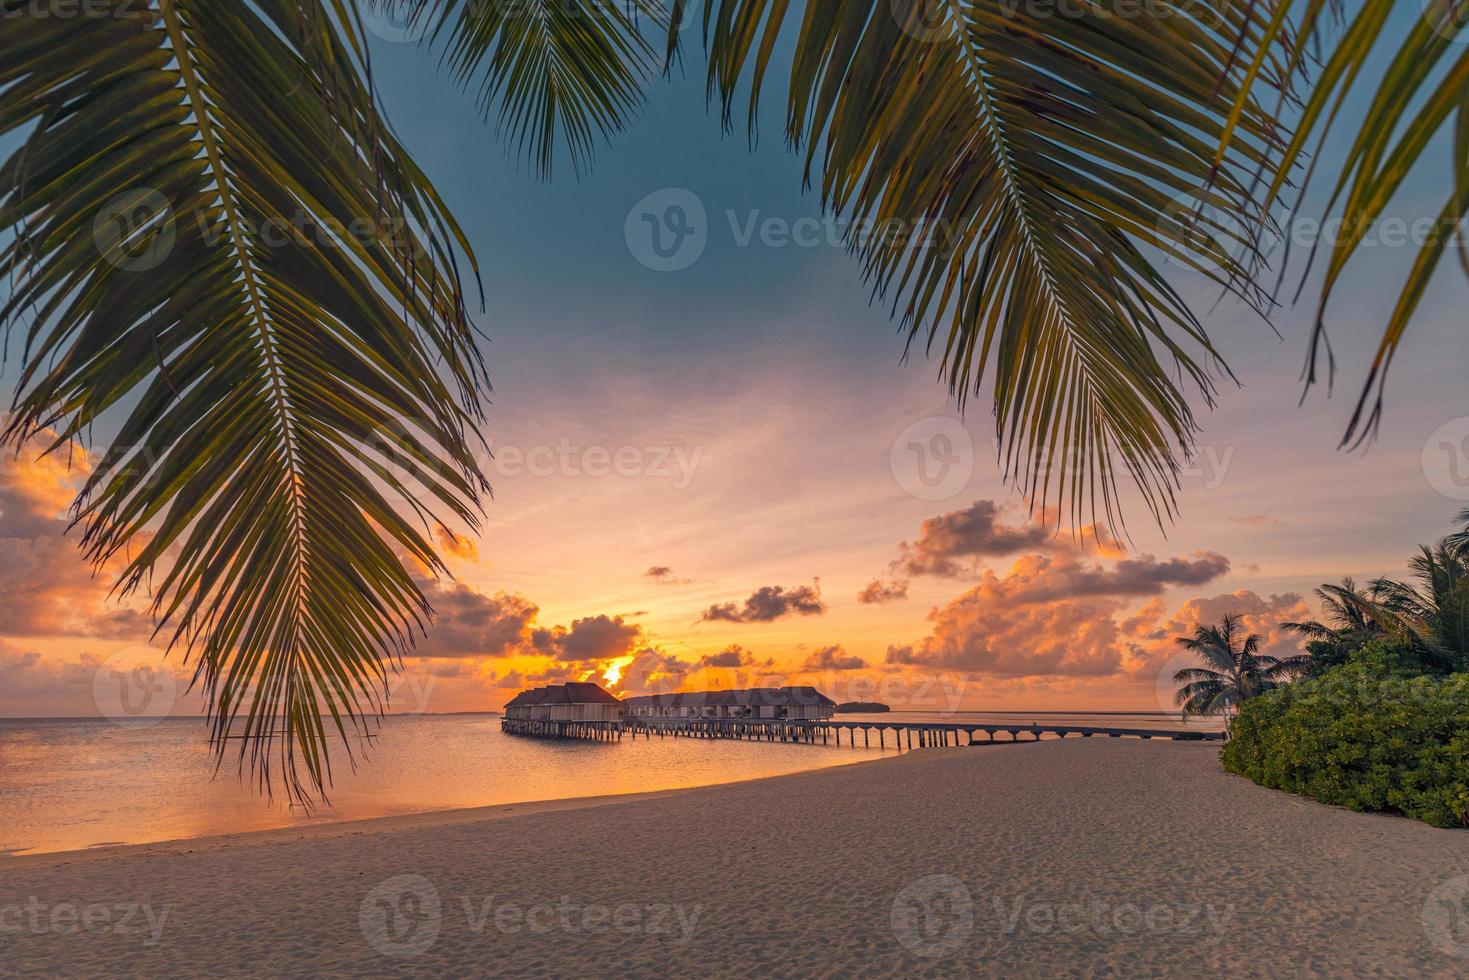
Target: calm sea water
73	784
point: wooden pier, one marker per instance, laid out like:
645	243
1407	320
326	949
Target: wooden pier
597	731
900	734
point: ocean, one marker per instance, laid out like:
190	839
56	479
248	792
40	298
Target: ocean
70	784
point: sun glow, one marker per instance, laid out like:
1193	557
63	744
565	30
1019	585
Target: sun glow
613	674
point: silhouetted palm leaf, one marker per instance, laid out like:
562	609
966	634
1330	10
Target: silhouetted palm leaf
1419	98
217	248
1011	163
572	71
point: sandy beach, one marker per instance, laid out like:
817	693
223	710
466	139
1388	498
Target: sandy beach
1085	858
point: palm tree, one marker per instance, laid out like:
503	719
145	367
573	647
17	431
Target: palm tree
1232	671
1431	616
1350	623
217	250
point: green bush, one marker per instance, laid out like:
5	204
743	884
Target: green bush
1371	735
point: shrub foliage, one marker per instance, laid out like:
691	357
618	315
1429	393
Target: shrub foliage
1374	735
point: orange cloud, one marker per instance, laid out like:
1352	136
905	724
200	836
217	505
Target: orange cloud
457	544
49	589
1052	615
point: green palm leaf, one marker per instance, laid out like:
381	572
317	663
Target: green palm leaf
217	246
1419	97
1004	169
557	72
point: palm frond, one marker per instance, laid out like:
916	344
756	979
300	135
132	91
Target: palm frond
556	72
1001	172
1416	100
218	250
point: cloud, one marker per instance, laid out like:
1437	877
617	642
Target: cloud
768	604
833	658
457	544
1153	631
663	575
48	587
1051	615
879	591
1044	578
34	685
592	638
654	671
734	656
471	624
952	545
949	545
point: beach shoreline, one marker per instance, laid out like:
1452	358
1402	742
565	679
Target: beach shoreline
426	819
1074	857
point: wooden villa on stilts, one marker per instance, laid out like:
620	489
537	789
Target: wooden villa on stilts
574	710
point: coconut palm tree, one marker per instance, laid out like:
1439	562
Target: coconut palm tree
1350	623
1233	668
216	249
1431	615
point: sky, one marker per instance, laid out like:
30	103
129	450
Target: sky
707	467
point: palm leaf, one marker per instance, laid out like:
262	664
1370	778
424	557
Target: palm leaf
218	249
557	72
1010	169
1419	97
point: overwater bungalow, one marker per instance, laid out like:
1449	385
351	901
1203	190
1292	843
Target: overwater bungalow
803	703
575	701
